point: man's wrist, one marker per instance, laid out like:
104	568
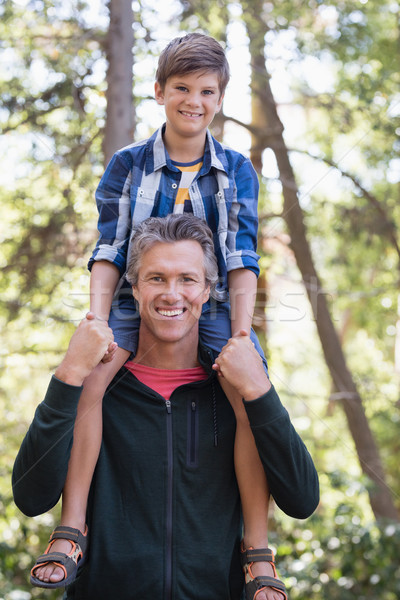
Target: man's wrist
255	390
71	374
100	313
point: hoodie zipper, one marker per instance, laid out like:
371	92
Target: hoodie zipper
192	427
168	567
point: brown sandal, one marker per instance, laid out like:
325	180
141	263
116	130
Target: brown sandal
254	585
67	562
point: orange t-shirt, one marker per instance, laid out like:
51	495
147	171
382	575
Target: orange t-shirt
189	172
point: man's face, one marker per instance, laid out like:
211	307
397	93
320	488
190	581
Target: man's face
171	291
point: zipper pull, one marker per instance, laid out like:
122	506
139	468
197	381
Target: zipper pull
168	406
193	406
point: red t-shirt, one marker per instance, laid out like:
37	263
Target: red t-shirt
165	381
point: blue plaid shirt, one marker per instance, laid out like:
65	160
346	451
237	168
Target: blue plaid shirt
141	181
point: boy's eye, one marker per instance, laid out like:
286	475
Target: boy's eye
208	92
181	88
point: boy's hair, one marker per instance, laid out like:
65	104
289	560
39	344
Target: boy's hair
194	52
167	230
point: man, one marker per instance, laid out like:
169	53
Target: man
164	510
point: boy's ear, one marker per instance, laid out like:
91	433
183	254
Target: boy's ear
158	93
219	104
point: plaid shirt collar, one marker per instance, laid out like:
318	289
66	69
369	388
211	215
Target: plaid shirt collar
157	155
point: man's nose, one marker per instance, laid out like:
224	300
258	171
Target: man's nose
171	291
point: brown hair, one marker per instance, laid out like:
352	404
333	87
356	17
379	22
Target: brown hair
194	52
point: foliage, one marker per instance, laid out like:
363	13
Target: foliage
334	67
339	557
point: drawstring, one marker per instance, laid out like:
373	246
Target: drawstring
215	422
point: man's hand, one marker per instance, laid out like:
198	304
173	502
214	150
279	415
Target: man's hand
92	340
241	365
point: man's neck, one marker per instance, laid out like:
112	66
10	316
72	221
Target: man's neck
167	355
182	149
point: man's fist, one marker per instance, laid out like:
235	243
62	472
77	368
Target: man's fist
241	365
91	341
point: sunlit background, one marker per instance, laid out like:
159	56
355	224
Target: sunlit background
334	75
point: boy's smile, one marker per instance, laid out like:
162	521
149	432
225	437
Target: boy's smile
190	102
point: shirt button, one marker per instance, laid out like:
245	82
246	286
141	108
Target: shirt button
219	194
174	186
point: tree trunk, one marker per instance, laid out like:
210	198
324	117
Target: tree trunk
258	117
272	135
120	118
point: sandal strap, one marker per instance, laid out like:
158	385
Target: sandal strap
68	562
259	583
257	555
63	532
255	584
56	557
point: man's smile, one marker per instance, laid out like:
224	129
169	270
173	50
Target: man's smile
175	312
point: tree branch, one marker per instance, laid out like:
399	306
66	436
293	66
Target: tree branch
373	200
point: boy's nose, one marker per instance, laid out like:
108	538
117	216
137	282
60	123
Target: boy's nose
193	99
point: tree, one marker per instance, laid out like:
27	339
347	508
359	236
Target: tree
266	131
52	106
120	122
272	136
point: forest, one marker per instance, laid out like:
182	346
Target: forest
314	101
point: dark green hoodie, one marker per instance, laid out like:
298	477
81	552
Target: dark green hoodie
164	509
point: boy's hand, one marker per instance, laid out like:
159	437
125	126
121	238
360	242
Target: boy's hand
110	353
242	366
88	345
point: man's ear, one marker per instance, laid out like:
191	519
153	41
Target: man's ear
206	294
134	292
158	93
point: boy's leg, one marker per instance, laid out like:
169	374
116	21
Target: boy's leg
84	455
253	488
250	474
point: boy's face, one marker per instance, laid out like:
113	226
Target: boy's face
190	102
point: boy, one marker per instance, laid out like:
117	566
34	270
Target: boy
181	168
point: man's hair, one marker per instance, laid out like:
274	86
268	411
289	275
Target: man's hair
192	53
167	230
